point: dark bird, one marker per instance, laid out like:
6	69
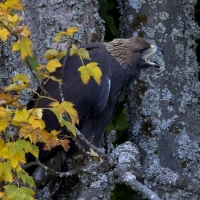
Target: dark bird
120	62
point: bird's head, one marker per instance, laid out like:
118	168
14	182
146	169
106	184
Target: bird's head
133	53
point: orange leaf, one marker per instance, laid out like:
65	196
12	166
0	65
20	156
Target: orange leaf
65	144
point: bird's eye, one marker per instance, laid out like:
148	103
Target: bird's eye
140	51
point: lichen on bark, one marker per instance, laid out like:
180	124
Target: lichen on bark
165	125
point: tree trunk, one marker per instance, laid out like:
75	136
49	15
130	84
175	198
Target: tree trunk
163	105
44	19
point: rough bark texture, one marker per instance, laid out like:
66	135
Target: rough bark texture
163	106
46	18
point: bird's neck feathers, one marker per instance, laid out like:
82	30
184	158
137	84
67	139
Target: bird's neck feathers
120	50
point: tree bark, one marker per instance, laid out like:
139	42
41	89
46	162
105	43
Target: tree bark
163	105
46	18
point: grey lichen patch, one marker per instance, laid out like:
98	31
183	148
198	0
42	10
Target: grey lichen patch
166	94
162	175
180	50
179	194
153	96
176	33
167	123
136	4
163	16
101	180
186	99
188	152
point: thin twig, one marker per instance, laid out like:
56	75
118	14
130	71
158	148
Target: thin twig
56	173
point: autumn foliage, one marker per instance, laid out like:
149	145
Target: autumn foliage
28	124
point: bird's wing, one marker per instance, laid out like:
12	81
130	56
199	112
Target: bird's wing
88	99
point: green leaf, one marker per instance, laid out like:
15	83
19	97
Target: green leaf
69	126
12	192
26	178
32	62
5	171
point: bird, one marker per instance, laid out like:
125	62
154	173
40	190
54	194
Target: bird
120	61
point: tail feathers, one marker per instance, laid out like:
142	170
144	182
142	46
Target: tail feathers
43	178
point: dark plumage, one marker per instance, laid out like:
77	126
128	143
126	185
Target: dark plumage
120	62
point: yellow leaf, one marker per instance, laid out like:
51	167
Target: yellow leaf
21	116
52	65
55	79
22	78
4	34
13	18
15	87
1	195
70	31
50	54
68	107
5	115
24	46
3	10
57	38
4	123
14	4
35	122
90	69
4	152
61	54
81	52
85	75
55	133
1	143
16	158
36	112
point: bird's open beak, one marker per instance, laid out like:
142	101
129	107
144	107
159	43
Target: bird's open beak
154	50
